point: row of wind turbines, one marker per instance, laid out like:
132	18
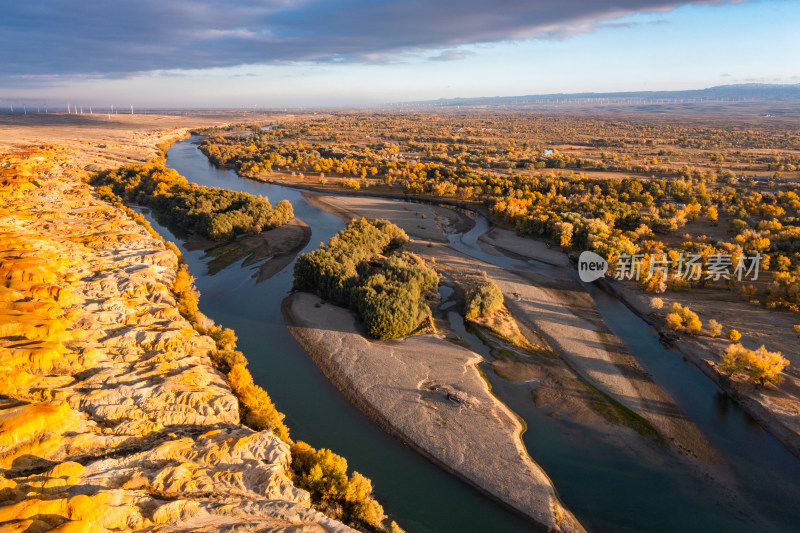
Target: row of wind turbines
71	109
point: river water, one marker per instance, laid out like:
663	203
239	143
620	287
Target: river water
609	488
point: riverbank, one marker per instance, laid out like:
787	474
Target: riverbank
578	456
775	408
514	246
411	395
420	220
267	252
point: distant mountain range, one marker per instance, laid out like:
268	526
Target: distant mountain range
756	92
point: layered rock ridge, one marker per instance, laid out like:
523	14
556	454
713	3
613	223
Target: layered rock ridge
112	416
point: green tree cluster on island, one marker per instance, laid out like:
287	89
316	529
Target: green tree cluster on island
365	268
218	214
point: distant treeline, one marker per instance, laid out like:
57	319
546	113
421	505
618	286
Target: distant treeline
218	214
365	268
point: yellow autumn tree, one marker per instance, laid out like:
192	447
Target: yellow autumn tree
761	366
324	474
681	318
714	328
186	294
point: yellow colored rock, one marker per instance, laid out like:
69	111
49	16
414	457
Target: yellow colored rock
112	417
23	423
78	526
17	527
65	469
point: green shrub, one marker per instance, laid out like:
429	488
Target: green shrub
363	268
482	300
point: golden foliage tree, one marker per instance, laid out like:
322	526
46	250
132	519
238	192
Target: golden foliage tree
681	318
761	366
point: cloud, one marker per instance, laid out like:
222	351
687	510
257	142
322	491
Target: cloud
451	55
90	38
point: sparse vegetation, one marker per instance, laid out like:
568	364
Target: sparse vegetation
784	291
733	335
714	328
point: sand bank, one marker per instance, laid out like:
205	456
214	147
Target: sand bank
428	392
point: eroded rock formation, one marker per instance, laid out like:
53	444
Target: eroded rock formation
111	413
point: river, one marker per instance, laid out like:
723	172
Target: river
607	487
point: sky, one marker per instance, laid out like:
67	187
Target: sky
321	53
